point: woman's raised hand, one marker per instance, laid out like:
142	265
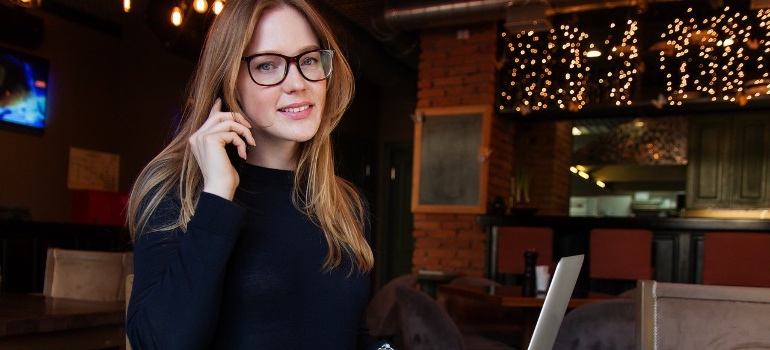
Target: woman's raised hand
208	146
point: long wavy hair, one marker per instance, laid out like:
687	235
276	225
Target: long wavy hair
331	202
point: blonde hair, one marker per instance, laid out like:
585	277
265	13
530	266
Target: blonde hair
331	202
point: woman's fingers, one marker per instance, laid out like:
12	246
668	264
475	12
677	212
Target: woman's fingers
217	116
208	146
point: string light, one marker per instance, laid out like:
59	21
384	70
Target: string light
714	54
720	58
560	69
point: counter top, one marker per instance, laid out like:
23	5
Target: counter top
582	222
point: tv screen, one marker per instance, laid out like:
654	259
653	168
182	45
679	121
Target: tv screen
23	89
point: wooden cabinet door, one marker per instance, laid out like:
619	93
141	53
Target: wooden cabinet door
751	159
707	170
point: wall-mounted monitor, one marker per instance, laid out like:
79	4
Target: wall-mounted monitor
23	89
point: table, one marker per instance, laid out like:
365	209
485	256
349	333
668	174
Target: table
33	321
428	280
511	296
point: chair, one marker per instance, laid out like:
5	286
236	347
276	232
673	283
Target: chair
87	275
482	318
620	254
695	316
129	287
511	244
606	324
426	326
736	259
382	310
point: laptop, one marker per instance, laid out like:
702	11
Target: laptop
556	301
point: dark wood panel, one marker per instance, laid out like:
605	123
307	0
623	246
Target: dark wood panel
708	150
752	152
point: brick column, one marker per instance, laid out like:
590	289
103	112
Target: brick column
458	72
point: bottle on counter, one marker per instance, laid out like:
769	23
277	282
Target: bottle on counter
529	287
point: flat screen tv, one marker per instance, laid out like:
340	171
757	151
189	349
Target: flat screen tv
23	89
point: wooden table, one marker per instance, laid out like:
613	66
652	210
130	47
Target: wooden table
30	321
510	296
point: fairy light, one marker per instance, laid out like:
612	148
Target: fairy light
717	57
566	69
543	70
720	58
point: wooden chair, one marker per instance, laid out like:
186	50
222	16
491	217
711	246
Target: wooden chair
696	316
736	259
620	254
87	275
513	241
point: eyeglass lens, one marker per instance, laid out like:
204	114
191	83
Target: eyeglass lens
270	69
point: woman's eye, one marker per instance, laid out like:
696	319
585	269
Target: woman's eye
309	61
265	66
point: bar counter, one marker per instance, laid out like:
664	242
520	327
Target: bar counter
677	242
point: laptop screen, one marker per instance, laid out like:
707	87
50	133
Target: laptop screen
556	301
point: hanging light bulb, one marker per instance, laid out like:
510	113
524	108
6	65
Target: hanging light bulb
176	16
200	6
126	5
26	3
217	6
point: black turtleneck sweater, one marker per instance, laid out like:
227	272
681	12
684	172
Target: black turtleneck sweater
246	274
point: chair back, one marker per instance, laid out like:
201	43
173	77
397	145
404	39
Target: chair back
514	241
424	324
736	259
621	254
382	310
604	324
695	316
129	287
87	275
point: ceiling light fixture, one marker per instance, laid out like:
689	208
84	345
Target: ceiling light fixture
26	3
217	6
200	6
176	16
126	5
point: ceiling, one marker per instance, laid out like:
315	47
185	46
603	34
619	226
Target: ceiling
361	15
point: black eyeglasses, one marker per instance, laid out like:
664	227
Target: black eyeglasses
268	69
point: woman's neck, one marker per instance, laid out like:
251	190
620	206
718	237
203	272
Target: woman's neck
282	156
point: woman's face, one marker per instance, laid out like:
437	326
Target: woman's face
290	112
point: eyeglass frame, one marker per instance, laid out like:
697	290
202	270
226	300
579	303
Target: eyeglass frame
289	60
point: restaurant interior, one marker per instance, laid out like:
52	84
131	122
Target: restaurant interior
633	132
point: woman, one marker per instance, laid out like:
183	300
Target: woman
269	250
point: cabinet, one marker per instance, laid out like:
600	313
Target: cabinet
729	161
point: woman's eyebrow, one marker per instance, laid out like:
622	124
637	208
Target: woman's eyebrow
297	52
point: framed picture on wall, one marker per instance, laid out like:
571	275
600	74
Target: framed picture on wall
451	164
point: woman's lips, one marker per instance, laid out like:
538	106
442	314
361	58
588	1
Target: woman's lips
297	112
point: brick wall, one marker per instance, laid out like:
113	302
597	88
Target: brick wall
546	149
457	72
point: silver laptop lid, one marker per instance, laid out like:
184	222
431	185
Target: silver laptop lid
556	301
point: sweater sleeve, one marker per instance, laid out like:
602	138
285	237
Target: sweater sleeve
179	275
